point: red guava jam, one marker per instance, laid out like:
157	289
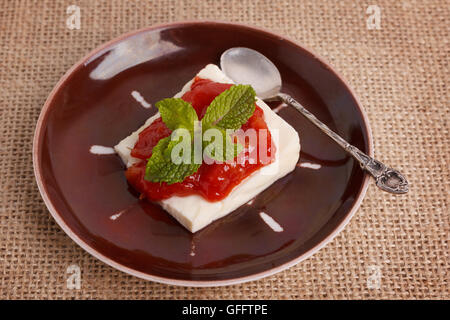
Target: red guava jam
212	181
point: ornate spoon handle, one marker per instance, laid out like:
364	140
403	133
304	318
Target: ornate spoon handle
386	178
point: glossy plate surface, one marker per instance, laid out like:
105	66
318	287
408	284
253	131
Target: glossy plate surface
92	105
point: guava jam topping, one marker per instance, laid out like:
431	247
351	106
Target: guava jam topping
212	181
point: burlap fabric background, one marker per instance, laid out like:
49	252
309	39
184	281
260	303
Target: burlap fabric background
400	73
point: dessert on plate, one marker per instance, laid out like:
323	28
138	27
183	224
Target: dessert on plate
209	150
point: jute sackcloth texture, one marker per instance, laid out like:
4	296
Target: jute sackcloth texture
399	71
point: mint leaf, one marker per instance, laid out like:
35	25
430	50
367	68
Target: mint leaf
177	113
227	112
161	168
223	150
231	109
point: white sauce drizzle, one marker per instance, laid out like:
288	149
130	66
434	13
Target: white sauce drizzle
139	98
281	106
115	216
309	165
192	249
101	150
118	214
270	222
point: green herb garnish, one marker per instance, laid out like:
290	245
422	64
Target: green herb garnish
226	113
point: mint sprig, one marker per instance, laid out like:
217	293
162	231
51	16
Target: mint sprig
224	150
229	110
161	168
177	113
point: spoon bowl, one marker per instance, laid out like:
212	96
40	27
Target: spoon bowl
248	66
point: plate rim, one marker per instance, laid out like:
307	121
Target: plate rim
37	141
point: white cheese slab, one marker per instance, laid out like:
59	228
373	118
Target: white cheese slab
194	212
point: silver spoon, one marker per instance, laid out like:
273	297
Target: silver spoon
247	66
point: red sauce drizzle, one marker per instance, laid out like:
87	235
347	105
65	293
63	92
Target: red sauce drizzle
212	181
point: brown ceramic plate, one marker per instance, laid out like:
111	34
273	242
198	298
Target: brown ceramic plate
92	105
